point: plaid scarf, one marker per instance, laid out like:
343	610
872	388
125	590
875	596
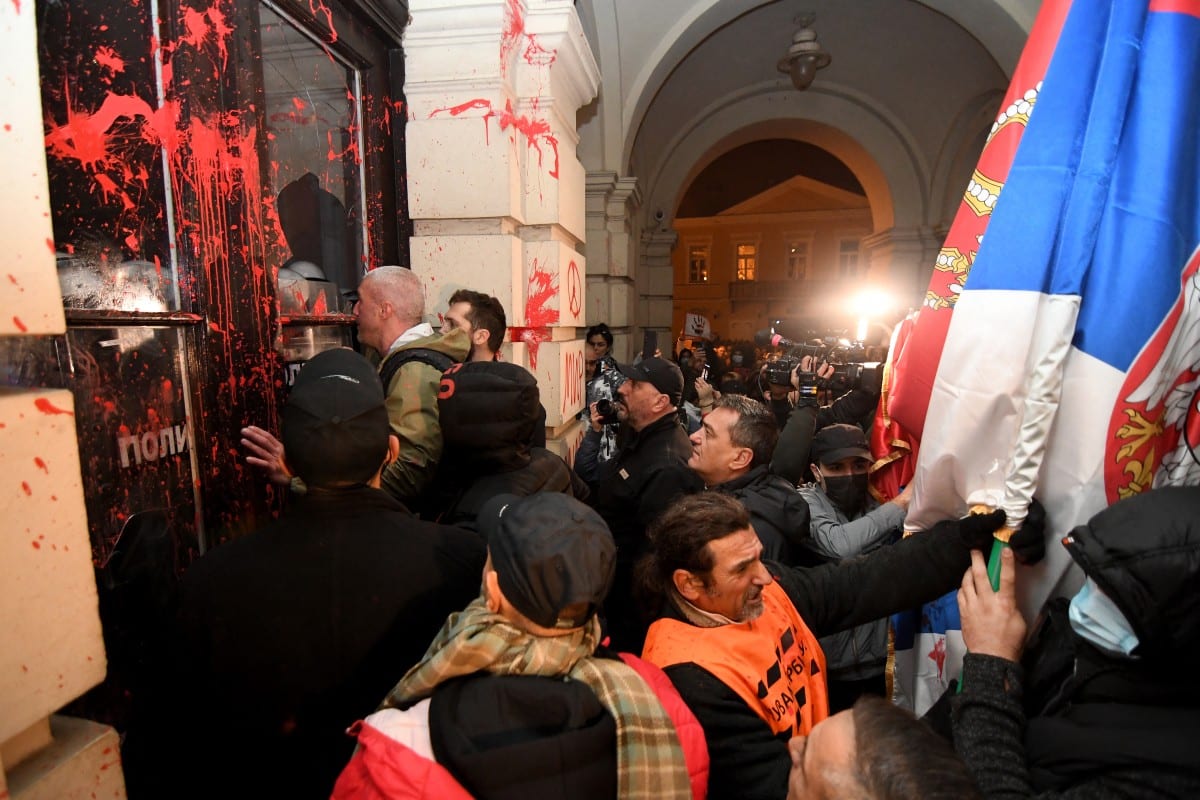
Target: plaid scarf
650	762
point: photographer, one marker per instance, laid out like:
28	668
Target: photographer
647	473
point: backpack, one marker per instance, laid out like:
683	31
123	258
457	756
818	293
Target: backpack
392	364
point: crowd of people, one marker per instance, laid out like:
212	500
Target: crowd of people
697	607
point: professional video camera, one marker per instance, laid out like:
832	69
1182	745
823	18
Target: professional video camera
848	359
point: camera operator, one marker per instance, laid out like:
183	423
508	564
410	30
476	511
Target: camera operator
806	415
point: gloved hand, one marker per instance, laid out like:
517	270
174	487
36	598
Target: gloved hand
1029	543
976	529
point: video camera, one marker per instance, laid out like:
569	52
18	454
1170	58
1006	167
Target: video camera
851	370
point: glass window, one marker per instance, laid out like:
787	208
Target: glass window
698	264
747	262
109	201
797	259
314	146
848	258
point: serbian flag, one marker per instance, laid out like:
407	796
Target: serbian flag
1071	365
916	368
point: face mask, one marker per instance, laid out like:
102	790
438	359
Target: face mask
1096	618
685	361
848	492
737	360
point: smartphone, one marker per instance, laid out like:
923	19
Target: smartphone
649	343
704	372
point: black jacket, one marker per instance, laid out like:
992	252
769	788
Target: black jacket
288	635
747	760
1073	721
648	473
513	737
778	512
489	418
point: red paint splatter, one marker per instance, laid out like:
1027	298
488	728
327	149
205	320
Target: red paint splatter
36	545
46	407
13	278
49	244
200	25
510	38
20	325
532	337
107	57
41	465
26	489
318	7
7	127
17	5
534	130
542	288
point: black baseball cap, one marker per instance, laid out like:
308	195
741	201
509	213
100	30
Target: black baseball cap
665	375
335	422
550	551
835	442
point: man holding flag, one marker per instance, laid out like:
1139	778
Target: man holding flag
1071	362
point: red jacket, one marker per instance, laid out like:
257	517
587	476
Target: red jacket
383	768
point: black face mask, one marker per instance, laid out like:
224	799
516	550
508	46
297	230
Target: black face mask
848	492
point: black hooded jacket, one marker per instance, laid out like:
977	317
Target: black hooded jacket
1074	721
490	412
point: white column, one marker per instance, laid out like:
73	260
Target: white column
496	191
656	285
52	648
612	204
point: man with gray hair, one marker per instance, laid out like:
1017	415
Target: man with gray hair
390	312
731	452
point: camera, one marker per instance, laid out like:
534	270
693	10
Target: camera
851	370
779	371
607	412
855	375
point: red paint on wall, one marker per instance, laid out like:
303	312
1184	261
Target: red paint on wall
41	465
25	488
541	289
36	546
46	407
20	325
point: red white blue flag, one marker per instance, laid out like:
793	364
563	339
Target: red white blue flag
1071	366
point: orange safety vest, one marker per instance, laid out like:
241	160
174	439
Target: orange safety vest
774	663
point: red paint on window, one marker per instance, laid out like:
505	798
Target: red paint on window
107	57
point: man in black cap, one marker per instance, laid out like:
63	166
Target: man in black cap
490	700
288	635
846	521
648	472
